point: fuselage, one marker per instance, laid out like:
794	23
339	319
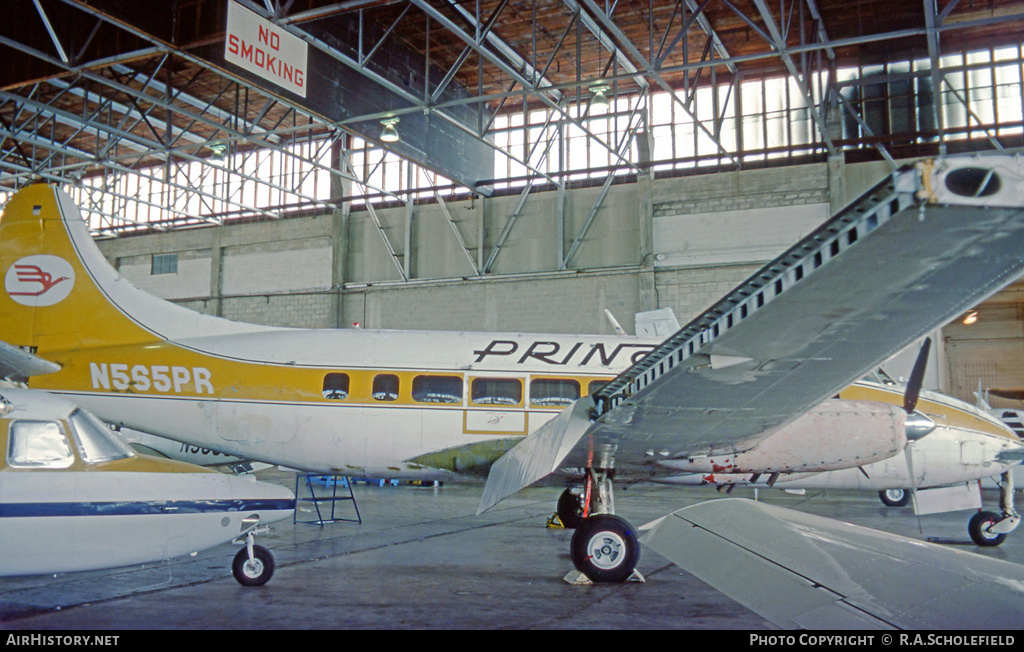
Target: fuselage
353	402
967	444
75	497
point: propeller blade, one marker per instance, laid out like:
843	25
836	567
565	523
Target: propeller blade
917	377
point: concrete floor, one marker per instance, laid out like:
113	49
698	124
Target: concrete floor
422	559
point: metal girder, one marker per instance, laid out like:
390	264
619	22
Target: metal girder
607	24
455	229
623	143
155	123
705	25
932	36
507	51
779	43
266	139
526	84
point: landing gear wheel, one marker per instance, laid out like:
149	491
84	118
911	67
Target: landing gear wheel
570	509
605	548
978	527
895	497
256	572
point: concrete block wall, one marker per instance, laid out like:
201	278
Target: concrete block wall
709	233
559	303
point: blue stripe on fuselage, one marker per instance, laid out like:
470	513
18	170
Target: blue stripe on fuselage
136	508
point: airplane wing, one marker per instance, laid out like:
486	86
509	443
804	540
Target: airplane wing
18	365
905	258
798	570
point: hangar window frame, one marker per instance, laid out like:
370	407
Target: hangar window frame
162	264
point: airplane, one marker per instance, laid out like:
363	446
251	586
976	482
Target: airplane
766	360
967	444
148	444
74	497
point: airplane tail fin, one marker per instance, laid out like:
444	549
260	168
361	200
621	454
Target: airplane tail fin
50	301
60	293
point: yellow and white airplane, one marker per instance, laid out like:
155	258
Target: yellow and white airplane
74	496
943	461
758	368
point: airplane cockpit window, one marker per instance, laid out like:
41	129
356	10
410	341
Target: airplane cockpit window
336	386
437	389
496	391
385	387
553	392
96	442
38	445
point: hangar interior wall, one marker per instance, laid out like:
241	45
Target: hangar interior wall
678	242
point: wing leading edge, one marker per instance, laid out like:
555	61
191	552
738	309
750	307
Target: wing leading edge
19	365
798	570
905	258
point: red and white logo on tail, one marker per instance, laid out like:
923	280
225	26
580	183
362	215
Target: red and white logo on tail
39	280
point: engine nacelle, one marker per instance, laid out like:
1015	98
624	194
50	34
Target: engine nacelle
838	434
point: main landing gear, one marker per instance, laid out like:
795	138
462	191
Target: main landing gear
895	497
604	547
990	529
254	564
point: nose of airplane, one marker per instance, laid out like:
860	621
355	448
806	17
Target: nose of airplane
273	502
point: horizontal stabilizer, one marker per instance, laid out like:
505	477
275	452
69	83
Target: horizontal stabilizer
18	365
538	455
803	571
655	323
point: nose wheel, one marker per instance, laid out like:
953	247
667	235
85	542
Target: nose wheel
253	565
990	529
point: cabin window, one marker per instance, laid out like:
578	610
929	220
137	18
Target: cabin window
336	386
385	387
496	391
96	442
38	445
553	392
595	385
437	389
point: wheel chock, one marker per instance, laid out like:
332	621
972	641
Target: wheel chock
577	578
555	523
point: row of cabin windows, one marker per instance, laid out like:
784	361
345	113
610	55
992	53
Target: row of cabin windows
544	392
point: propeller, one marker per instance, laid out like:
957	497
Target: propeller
917	425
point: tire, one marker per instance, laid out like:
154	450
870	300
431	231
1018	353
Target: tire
605	548
895	497
977	527
256	573
570	509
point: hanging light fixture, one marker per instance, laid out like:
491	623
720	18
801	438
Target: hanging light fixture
218	150
600	99
389	134
971	317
